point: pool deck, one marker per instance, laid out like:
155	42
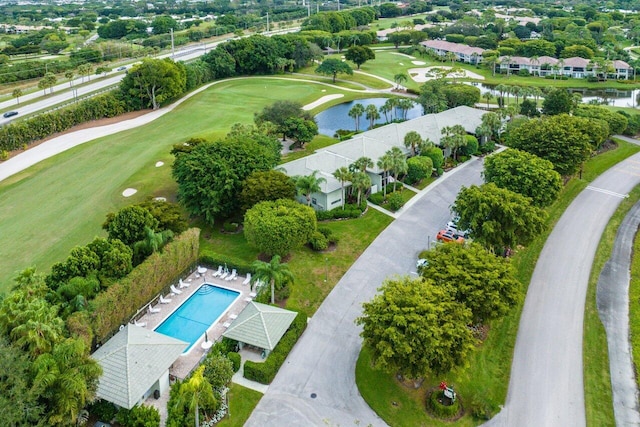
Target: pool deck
187	362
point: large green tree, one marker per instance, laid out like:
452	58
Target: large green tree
482	281
127	225
414	328
210	177
524	173
261	186
153	82
563	140
558	101
280	114
277	227
359	55
332	67
274	272
498	218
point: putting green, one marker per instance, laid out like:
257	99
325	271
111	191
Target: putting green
62	202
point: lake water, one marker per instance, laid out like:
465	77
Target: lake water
613	97
337	117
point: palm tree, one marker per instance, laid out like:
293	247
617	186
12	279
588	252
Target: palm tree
196	392
17	93
391	104
501	89
361	182
69	76
507	60
405	104
273	272
309	184
355	113
450	56
517	92
361	164
343	175
386	109
385	163
371	113
40	328
400	78
488	96
453	138
411	140
398	164
535	60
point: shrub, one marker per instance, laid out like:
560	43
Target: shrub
103	410
138	416
524	73
395	201
436	156
236	360
418	168
266	371
351	210
472	146
4	155
318	241
376	198
230	227
480	410
213	260
441	410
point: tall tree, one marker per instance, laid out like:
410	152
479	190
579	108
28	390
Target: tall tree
359	55
558	101
398	164
498	218
196	394
371	114
453	138
355	113
153	82
274	272
385	163
409	314
343	175
333	67
17	93
412	140
361	182
309	184
400	78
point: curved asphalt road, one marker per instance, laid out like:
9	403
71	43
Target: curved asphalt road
546	385
323	361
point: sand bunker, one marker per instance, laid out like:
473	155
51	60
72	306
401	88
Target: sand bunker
160	199
129	192
418	62
322	100
402	54
158	164
421	75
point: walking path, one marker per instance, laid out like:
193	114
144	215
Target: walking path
613	307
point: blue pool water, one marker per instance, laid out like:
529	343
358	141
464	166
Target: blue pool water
190	321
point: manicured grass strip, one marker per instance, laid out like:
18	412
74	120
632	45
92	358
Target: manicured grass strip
242	401
484	382
597	380
62	202
634	299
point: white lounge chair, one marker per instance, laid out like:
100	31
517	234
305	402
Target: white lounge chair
233	316
247	280
232	276
252	294
153	310
140	324
224	274
183	285
226	324
218	272
164	300
175	291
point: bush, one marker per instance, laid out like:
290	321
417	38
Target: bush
236	360
418	168
213	260
471	148
266	371
395	201
440	410
103	410
376	198
351	210
480	410
524	73
318	241
139	416
436	156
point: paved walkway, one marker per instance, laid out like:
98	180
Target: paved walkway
613	308
316	385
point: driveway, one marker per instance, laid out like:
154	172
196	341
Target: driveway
546	385
316	385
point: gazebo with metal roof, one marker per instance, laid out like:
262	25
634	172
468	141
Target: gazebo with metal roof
135	363
260	325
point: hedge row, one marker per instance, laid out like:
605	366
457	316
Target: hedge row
19	134
351	210
213	260
117	304
265	372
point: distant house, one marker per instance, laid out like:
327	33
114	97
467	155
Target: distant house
575	67
374	144
135	363
463	52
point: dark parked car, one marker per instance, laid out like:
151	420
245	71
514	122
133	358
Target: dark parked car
121	68
10	114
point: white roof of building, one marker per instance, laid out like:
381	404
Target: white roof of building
132	361
260	325
376	142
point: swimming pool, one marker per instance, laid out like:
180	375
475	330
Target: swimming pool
190	321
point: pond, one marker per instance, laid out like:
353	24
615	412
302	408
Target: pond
337	117
613	97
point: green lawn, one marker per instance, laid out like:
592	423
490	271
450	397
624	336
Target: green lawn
242	401
62	201
483	383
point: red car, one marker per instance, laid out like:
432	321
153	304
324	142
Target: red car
448	236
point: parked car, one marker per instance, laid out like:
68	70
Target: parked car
454	228
121	69
448	236
10	114
422	263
